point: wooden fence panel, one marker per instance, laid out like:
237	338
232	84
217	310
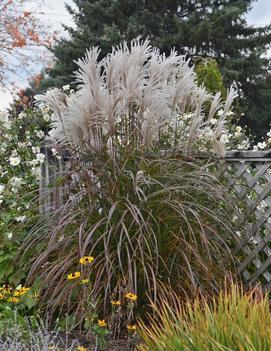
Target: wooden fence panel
50	195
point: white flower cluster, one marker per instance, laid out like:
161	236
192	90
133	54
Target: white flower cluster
67	89
14	161
231	137
40	134
265	144
20	163
22	115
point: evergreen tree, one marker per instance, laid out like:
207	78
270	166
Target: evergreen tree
198	28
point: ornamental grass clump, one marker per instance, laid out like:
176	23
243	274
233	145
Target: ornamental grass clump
235	320
138	98
136	201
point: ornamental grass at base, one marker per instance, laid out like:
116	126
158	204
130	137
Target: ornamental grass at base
234	321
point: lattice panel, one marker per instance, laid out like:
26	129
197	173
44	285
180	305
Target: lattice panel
249	175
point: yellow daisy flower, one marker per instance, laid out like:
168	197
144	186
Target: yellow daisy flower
131	296
86	260
115	302
131	327
13	299
72	276
102	323
21	291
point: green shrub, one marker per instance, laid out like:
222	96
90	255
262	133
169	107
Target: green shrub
209	75
235	321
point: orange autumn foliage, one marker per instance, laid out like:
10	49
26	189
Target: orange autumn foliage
19	29
26	13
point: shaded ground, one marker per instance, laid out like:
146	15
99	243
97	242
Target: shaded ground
122	345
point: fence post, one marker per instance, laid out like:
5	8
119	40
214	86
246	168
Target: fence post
50	196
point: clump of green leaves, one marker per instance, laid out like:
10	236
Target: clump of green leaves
209	75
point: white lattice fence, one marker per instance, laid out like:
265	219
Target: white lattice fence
248	174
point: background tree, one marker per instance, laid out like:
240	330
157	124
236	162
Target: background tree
200	28
25	98
20	35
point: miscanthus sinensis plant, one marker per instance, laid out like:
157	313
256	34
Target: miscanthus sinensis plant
138	97
146	216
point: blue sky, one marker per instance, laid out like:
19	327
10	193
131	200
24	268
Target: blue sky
54	12
260	13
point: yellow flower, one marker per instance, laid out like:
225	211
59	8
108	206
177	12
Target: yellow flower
81	348
84	281
74	275
21	291
131	327
2	296
131	296
115	302
86	259
13	299
102	323
7	289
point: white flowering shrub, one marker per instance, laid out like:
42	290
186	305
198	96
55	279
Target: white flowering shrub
265	144
20	160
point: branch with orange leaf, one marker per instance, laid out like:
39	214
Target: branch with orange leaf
22	35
